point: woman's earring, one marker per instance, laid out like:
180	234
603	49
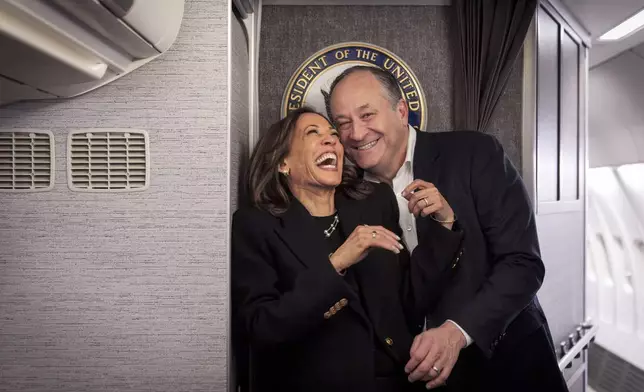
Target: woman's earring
286	173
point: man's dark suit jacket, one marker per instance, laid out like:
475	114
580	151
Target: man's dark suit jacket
307	328
493	297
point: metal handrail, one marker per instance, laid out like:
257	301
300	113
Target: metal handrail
576	343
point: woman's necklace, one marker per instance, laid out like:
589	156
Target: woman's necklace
331	229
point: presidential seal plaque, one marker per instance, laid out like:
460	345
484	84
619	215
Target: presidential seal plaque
312	80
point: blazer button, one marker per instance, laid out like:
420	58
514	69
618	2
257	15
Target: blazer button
327	315
337	306
389	341
344	302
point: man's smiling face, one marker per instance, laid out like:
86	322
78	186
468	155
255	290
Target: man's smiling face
372	127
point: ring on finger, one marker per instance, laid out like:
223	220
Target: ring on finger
436	370
426	202
373	234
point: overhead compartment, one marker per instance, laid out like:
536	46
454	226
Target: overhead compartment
62	48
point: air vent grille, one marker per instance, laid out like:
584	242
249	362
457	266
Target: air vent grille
115	160
26	161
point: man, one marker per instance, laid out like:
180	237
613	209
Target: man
488	332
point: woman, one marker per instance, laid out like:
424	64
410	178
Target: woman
323	288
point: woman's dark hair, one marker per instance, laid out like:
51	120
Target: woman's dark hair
268	189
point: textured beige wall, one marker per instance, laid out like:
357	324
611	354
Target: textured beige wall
129	291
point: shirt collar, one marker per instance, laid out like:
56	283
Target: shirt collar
409	158
411	145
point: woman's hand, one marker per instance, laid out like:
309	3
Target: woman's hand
363	239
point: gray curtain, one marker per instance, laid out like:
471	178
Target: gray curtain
489	35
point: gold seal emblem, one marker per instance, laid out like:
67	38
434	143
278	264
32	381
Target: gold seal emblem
311	82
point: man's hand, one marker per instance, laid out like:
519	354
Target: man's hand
425	199
436	348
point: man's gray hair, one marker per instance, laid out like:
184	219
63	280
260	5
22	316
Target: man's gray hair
386	79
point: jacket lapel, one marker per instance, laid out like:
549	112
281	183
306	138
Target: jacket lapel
425	167
350	218
299	233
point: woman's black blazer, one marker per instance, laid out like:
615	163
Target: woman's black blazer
307	329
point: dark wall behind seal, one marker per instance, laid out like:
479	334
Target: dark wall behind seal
417	34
